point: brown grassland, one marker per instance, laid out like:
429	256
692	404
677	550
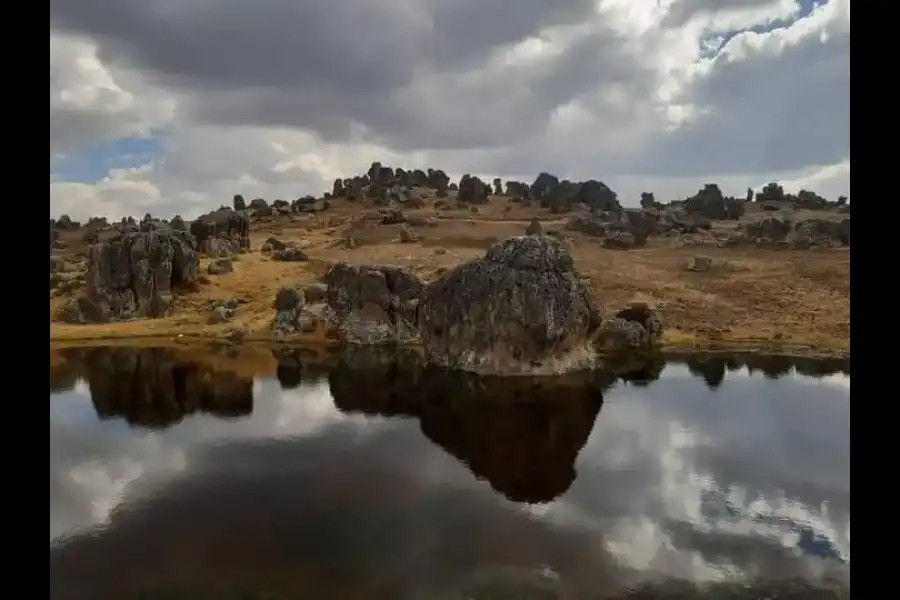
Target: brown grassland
752	299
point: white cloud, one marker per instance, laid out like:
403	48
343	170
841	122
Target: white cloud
620	93
88	103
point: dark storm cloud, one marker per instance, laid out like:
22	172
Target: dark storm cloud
325	64
365	45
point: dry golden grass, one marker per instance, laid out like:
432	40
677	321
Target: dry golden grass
751	299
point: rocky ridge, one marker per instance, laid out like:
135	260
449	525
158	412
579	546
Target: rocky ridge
521	303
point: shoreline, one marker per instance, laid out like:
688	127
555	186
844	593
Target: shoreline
674	342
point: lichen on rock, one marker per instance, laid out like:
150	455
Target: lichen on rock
373	304
520	308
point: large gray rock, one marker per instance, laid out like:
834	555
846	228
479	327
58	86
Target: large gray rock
771	229
472	190
221	231
133	275
373	304
521	308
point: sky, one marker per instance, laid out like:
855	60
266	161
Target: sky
173	106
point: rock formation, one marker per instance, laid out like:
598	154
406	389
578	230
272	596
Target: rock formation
222	231
373	304
133	275
635	327
710	203
519	308
472	190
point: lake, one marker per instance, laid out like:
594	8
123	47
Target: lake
177	475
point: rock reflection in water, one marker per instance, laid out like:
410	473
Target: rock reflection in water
152	387
713	367
520	434
354	511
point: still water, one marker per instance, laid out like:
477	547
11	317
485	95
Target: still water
369	478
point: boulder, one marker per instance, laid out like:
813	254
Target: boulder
708	202
635	327
221	231
619	240
768	229
372	304
133	276
520	308
472	190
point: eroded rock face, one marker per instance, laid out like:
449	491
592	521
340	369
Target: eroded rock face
519	309
373	304
222	231
133	276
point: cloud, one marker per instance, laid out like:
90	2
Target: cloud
89	103
276	98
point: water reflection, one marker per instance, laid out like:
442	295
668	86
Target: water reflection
642	478
522	435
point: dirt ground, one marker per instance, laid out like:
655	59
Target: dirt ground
752	299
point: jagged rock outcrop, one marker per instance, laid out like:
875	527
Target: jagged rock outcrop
518	191
520	308
771	192
373	304
222	231
155	387
559	196
710	203
810	200
65	223
133	275
626	228
472	190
